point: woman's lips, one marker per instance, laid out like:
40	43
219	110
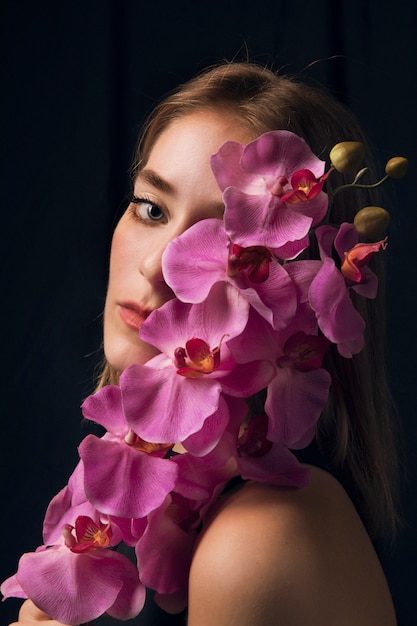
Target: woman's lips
132	315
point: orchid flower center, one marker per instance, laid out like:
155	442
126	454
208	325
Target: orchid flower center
278	186
197	359
254	261
181	512
253	442
305	187
304	352
88	535
358	257
132	439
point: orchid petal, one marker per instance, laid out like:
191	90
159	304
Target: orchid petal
105	408
76	588
336	315
294	403
167	407
206	244
277	467
122	481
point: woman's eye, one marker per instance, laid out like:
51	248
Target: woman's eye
147	210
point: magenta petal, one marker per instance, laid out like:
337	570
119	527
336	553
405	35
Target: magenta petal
282	153
263	220
105	408
346	237
294	403
292	249
224	311
61	511
11	588
369	287
166	407
277	294
247	379
172	602
122	481
225	165
203	441
164	552
336	315
247	217
73	588
351	347
302	274
277	467
131	597
196	260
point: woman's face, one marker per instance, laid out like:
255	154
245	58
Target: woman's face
175	189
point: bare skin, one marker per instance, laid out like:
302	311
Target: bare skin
283	557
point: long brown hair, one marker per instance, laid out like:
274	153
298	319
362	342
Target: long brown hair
355	433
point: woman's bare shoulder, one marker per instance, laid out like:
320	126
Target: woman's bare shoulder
271	555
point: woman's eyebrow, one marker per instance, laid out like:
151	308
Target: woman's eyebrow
151	177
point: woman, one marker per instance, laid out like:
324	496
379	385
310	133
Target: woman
265	553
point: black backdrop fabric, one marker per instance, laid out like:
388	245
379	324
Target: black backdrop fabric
78	77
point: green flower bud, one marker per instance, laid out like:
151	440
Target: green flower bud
347	156
396	167
371	221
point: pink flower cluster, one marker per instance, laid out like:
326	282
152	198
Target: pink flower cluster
244	320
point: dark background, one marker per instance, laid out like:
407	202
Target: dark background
77	79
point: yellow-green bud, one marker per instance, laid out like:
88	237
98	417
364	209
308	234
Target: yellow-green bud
347	156
396	167
371	221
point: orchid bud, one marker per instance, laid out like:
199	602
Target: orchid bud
396	167
371	221
347	156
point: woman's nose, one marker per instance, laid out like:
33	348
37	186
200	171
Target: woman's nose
151	266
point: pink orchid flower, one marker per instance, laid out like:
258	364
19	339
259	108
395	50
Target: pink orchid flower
81	580
172	395
68	504
298	392
259	278
329	291
124	476
262	209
